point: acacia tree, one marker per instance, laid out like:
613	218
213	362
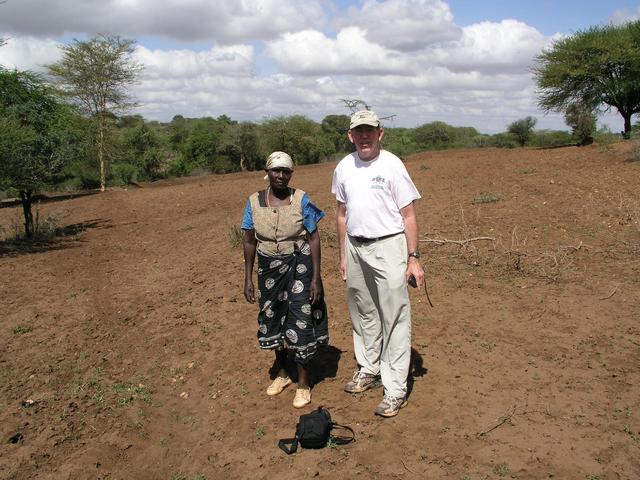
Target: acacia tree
595	67
522	129
96	75
35	131
241	142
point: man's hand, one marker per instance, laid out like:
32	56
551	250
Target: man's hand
414	267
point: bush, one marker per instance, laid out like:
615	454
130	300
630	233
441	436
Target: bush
481	141
551	138
522	129
635	152
124	174
504	140
582	121
635	148
177	168
223	164
398	141
604	137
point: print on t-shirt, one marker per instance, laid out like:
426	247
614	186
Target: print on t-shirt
378	182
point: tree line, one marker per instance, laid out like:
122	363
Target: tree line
73	130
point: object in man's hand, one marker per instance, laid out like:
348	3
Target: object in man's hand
412	281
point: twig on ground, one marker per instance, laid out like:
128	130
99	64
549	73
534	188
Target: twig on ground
406	468
442	241
501	421
613	292
571	247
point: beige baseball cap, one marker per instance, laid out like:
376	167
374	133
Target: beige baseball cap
364	117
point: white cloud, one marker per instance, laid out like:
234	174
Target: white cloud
228	61
313	53
625	15
224	22
508	46
29	53
270	57
406	25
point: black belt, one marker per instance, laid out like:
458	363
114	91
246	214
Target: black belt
370	240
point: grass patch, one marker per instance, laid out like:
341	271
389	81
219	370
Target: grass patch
634	436
486	198
235	235
91	387
260	431
502	470
635	152
605	139
128	393
21	329
44	229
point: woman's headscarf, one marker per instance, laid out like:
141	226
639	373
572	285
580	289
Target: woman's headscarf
278	160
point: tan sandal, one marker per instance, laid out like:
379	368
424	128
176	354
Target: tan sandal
278	385
302	398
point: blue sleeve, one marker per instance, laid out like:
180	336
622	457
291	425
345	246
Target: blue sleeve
311	214
247	219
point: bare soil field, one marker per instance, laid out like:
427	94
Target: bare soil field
129	352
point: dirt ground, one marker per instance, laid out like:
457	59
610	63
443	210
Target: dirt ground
129	352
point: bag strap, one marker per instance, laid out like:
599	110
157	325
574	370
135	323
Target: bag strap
342	440
288	445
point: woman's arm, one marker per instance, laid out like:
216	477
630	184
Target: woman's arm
315	290
249	245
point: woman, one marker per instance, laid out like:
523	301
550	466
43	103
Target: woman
280	225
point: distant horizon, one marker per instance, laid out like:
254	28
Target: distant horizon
461	62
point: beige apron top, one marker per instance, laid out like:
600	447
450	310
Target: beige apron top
278	229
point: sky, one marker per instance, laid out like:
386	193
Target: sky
464	62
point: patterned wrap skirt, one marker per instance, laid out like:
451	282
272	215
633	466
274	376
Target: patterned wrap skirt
287	319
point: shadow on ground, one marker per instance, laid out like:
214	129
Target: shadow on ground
62	238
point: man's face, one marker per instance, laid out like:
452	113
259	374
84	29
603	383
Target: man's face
367	141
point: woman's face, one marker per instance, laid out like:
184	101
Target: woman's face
279	177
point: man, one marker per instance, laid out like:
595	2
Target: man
378	235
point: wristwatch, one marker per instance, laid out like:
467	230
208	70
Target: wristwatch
415	254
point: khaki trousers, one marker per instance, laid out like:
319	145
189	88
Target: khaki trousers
380	309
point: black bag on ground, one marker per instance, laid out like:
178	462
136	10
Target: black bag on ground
314	431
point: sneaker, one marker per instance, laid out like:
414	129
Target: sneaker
362	381
278	385
390	406
302	398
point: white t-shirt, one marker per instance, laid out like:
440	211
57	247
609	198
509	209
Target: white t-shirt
373	192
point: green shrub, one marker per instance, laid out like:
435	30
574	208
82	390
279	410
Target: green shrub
635	151
486	198
522	130
582	120
551	138
504	140
177	168
604	137
481	141
124	174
